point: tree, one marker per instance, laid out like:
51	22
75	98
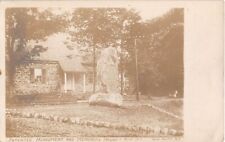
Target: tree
160	51
22	25
101	27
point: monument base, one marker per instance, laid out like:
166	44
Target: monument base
106	99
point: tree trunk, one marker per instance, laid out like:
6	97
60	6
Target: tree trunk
136	70
121	74
94	69
10	67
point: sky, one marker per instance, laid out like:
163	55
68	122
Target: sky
149	13
145	12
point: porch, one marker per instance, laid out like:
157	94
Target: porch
77	82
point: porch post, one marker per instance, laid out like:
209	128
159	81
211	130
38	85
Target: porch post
84	83
73	82
65	83
124	82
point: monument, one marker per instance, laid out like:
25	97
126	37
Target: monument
107	79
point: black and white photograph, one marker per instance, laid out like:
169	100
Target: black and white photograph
111	71
94	72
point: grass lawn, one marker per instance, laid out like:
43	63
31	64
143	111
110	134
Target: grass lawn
132	115
30	127
169	104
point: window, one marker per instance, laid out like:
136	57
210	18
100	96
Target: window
38	75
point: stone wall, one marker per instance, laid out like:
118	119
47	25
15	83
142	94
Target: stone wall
24	85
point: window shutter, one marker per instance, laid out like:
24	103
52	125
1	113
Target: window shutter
43	75
31	75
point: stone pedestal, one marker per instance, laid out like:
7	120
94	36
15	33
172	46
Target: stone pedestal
106	99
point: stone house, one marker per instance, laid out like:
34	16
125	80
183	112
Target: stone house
57	70
52	77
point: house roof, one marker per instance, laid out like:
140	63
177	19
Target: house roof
67	64
69	60
74	65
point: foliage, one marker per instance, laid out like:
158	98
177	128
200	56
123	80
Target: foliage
22	25
159	41
101	27
160	55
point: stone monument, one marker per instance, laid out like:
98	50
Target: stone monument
107	79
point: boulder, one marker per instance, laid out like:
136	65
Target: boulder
107	79
107	70
106	99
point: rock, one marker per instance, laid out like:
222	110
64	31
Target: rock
83	122
72	120
157	130
101	124
46	117
7	112
89	123
150	129
55	118
96	124
164	131
37	115
180	133
129	128
172	132
144	128
32	114
65	119
107	124
107	79
135	128
120	126
107	70
43	116
106	99
125	127
77	120
16	113
60	119
27	115
13	113
115	125
51	117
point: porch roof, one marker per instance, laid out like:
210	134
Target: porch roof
73	65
